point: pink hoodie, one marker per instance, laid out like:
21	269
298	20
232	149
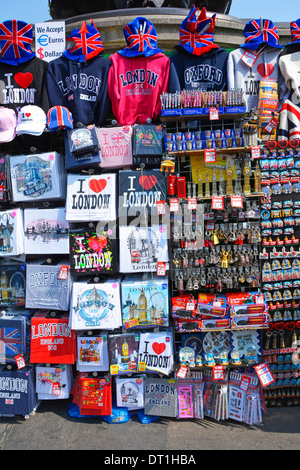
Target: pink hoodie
135	85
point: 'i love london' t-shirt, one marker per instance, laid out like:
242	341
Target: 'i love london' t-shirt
241	75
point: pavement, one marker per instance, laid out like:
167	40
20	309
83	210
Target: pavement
52	428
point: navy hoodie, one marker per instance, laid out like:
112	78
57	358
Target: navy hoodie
206	72
81	87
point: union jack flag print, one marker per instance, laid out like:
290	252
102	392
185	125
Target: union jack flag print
259	32
196	34
15	39
87	41
141	38
12	339
295	31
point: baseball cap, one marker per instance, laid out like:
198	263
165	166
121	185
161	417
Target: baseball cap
59	117
31	120
8	122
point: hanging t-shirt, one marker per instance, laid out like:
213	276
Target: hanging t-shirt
37	177
17	392
12	281
46	231
54	382
160	397
123	353
95	306
130	392
156	352
91	198
139	192
92	352
240	75
12	338
116	146
93	250
52	341
46	288
24	84
11	233
142	248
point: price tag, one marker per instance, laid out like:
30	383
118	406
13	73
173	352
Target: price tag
218	373
192	203
236	201
56	389
213	114
250	57
174	205
190	306
210	226
271	125
264	374
217	202
161	268
210	155
20	361
255	152
161	207
245	382
64	272
182	372
217	303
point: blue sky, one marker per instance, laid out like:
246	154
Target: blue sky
35	11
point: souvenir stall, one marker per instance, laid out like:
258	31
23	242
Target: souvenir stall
149	233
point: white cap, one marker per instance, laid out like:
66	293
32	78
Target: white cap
31	120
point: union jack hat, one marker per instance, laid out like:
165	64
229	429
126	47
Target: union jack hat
258	32
59	117
87	43
295	32
15	42
141	38
196	32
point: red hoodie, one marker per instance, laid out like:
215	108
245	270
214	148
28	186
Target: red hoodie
135	85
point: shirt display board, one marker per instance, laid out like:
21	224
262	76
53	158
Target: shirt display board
130	392
156	353
123	353
12	338
92	352
11	233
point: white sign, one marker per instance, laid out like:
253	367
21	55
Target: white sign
50	40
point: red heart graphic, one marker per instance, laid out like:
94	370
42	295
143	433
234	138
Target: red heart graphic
158	348
265	70
147	182
279	325
27	114
97	185
290	325
23	79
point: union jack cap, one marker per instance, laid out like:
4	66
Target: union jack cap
59	117
295	32
15	41
141	38
258	32
87	43
196	32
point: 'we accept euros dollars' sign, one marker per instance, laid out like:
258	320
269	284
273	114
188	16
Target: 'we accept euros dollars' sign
50	40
